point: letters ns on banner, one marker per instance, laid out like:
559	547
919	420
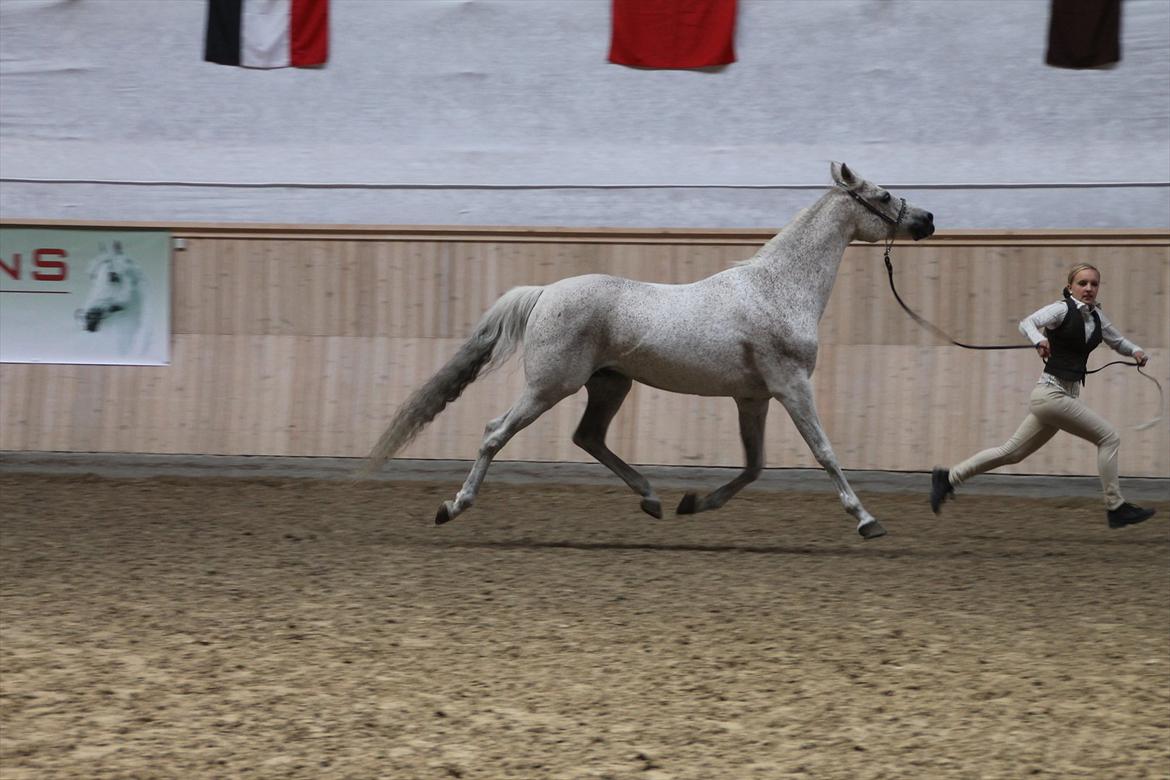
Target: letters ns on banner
48	265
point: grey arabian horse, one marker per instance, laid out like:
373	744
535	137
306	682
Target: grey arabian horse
749	332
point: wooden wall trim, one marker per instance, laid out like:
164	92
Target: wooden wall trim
607	235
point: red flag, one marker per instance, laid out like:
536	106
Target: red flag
673	33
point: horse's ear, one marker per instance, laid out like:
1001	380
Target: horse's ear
843	176
117	247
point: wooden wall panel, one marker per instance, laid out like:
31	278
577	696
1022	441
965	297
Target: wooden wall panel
302	342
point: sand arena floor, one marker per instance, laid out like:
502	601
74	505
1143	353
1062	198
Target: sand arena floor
175	627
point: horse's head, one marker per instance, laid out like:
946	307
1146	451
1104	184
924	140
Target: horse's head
113	284
880	214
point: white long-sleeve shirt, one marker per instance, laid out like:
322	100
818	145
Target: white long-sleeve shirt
1052	316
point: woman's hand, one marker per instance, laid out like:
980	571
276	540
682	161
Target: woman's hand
1141	357
1044	350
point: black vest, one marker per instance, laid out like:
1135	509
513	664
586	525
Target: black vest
1070	351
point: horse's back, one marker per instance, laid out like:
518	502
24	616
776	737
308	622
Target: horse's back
681	337
628	308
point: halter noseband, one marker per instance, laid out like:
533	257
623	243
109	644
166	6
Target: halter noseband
877	212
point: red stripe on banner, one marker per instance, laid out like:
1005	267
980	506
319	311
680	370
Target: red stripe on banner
673	33
309	33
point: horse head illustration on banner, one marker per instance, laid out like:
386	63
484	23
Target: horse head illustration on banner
115	304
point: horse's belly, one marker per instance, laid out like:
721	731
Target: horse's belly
694	378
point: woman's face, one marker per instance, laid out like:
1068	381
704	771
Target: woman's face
1085	284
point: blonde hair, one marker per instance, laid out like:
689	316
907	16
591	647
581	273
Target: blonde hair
1076	269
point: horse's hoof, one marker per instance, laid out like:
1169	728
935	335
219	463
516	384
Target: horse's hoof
444	515
689	505
652	507
871	530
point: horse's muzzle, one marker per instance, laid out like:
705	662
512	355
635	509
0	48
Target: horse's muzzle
93	318
922	228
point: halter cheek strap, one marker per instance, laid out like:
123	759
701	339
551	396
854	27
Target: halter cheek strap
880	214
893	223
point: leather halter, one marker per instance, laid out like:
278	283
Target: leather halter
893	222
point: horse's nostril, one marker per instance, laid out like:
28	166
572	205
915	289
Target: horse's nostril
929	217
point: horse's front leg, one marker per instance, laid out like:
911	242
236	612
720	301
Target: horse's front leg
795	393
753	413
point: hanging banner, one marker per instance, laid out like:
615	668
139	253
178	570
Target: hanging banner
85	296
673	33
1084	33
267	33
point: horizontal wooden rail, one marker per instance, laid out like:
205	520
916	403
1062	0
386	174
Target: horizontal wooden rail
576	235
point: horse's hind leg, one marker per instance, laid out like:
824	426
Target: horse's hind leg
753	413
795	393
530	406
607	390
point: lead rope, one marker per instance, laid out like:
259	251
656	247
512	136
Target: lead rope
923	322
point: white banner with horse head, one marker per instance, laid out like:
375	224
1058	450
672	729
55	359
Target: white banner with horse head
85	296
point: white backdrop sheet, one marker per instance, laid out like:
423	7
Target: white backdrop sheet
505	112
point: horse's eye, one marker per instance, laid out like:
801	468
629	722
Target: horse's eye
885	197
114	277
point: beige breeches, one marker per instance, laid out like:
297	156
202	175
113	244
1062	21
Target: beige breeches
1051	409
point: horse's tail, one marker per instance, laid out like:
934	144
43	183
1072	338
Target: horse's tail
499	333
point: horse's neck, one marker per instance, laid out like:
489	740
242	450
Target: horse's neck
806	254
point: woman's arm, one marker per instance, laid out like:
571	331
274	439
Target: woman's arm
1119	343
1034	324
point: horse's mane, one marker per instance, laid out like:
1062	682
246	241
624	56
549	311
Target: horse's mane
774	239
